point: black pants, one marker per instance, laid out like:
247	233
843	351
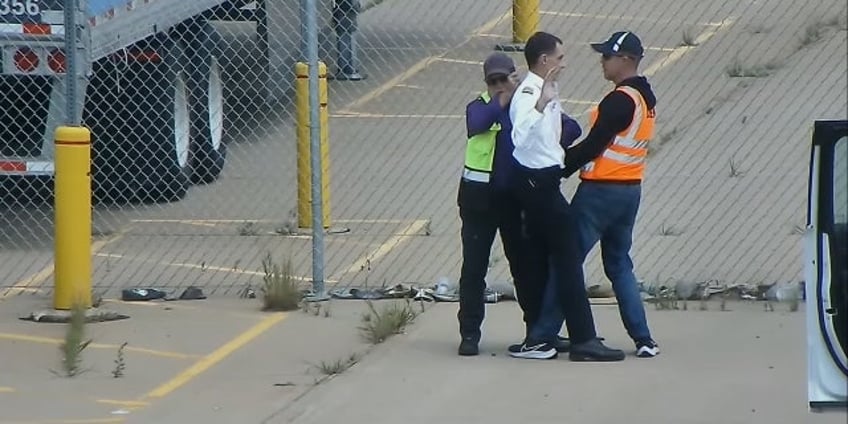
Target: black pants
483	212
553	237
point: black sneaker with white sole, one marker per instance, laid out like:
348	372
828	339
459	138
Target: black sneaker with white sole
533	350
647	348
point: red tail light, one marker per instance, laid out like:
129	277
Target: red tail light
144	56
56	61
26	60
37	29
9	166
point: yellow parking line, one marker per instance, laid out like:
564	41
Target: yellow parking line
128	348
6	389
213	358
410	86
422	64
460	61
579	102
39	277
411	230
678	52
489	35
124	403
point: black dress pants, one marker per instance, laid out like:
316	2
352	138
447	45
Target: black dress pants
484	211
552	237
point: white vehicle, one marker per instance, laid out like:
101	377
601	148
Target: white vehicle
151	86
826	267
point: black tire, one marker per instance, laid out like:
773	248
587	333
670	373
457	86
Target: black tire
206	86
140	118
141	130
161	117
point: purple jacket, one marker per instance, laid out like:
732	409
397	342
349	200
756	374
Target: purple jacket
480	116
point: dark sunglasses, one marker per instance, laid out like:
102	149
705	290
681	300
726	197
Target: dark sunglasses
500	79
610	56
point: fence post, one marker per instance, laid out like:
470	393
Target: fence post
71	57
310	14
304	173
525	22
72	204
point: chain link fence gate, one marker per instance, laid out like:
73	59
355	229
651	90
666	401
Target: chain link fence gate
195	141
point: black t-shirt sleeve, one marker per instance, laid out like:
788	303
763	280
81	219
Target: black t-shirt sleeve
614	115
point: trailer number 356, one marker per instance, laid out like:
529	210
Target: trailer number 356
20	7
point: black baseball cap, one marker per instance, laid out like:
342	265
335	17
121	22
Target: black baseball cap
620	43
498	64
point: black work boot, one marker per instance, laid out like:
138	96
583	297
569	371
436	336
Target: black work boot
468	347
594	351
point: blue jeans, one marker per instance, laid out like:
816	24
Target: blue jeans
605	212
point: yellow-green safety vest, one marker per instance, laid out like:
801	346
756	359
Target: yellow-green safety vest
480	151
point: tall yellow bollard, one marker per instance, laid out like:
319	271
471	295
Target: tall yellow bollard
304	169
72	205
525	22
525	19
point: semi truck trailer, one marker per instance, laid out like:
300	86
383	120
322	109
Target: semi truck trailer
149	81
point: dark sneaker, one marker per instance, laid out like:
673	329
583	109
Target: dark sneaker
594	351
647	348
468	347
526	350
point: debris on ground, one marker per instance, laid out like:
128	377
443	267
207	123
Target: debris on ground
442	291
58	316
137	294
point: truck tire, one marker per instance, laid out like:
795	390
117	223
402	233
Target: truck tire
138	109
161	115
207	104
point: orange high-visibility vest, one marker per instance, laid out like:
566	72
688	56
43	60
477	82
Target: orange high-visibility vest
624	158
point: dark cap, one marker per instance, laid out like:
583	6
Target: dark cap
620	43
498	64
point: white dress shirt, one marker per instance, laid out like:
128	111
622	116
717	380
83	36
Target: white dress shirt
536	135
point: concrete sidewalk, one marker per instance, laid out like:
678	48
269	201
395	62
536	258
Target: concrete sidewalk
739	366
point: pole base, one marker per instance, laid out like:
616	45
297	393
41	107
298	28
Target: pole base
316	297
307	231
510	47
337	230
61	316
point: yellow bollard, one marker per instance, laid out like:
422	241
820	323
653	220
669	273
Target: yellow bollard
525	19
72	205
304	192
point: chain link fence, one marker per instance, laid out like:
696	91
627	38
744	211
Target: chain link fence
195	146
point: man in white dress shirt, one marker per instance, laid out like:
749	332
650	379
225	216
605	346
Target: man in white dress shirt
536	115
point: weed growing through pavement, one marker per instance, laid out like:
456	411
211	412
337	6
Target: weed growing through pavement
735	171
378	326
280	291
120	363
739	69
72	347
338	366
